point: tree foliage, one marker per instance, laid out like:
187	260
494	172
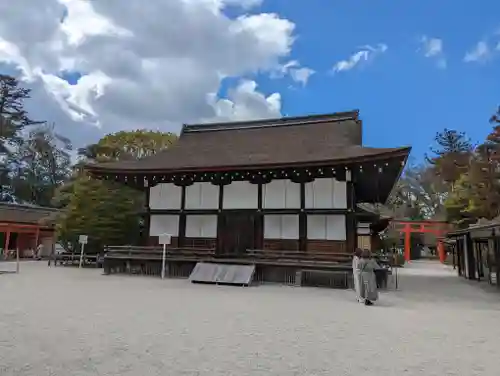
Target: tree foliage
476	193
108	212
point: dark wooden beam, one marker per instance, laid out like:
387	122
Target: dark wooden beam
221	222
263	211
147	218
182	218
303	219
351	218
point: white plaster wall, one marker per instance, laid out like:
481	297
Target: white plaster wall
240	195
326	193
281	227
164	224
165	196
281	194
201	226
326	227
202	196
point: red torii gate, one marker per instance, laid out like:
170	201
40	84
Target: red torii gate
438	228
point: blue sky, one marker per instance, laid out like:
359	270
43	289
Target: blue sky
403	97
98	67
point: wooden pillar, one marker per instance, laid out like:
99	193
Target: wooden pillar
407	232
147	216
496	243
441	251
7	241
37	236
471	267
221	223
302	219
453	250
182	219
351	219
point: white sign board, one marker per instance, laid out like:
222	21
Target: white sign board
83	239
164	239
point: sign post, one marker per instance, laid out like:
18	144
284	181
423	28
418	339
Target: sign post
164	240
83	239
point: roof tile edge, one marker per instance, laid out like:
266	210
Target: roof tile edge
272	122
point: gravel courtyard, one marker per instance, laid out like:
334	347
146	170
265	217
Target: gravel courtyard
69	322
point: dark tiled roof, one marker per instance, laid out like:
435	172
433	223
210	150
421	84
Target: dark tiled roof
280	142
24	214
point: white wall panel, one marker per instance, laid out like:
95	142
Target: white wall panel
281	226
201	226
335	227
326	193
240	195
281	194
339	194
202	196
316	227
165	196
164	224
272	227
326	227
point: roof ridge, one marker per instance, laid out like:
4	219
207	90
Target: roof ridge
271	122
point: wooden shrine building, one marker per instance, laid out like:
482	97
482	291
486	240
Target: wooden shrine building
24	227
277	184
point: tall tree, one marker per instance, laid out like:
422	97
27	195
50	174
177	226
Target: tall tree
13	118
477	191
419	194
44	164
108	212
451	156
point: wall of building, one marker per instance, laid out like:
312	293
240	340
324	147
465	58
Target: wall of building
324	231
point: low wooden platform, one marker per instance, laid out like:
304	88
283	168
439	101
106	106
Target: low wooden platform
286	267
73	259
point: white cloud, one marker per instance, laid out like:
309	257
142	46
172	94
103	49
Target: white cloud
365	54
433	48
148	64
480	52
293	69
245	102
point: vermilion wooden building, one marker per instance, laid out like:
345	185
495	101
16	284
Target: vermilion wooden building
279	184
23	227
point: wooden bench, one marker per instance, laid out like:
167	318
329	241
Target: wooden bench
298	255
147	260
69	258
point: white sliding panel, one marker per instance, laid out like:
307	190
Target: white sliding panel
164	224
202	196
339	194
326	227
165	196
201	226
335	227
316	227
326	193
281	194
281	227
240	195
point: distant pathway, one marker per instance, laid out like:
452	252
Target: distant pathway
64	321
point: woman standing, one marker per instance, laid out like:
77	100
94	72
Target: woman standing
356	274
368	282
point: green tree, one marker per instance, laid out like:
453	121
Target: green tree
451	156
476	193
108	212
13	118
43	164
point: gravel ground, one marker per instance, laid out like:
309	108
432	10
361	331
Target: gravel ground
70	322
